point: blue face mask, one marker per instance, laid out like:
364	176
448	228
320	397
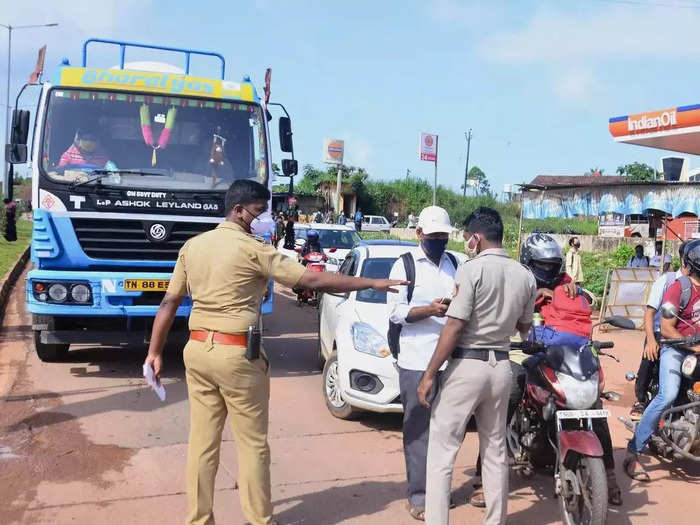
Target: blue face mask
434	248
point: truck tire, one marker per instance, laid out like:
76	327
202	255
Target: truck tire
48	353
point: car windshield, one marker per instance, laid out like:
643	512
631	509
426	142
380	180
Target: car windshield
152	141
343	239
375	268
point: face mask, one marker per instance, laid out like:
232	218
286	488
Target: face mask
261	224
87	145
469	250
434	248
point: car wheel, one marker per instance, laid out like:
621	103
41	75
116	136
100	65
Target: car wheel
332	392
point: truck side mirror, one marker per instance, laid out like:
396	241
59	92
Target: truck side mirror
286	144
16	150
290	167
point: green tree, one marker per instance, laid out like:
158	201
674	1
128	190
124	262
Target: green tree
276	170
483	187
637	171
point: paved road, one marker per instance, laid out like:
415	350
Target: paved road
85	442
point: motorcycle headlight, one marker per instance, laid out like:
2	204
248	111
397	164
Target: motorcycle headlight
580	395
367	340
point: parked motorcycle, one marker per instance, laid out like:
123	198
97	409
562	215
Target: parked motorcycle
553	425
678	433
315	262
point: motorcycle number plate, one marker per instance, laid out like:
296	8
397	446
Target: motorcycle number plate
582	414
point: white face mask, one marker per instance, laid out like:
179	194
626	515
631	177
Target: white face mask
262	224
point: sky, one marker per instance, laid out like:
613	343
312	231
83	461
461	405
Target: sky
535	81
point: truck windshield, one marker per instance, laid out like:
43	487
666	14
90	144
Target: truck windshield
152	141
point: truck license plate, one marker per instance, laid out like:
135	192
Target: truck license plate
582	414
146	285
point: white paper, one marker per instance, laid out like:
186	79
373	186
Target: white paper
151	380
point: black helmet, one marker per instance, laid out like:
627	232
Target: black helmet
541	253
312	236
691	255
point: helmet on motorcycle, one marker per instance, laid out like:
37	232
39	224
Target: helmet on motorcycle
543	256
691	255
312	236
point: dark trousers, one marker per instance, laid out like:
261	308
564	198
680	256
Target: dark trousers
416	426
358	226
10	229
646	372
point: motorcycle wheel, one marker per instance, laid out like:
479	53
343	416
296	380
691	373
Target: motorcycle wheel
590	507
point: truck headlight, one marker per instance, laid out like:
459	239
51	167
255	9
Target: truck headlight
367	340
80	293
58	292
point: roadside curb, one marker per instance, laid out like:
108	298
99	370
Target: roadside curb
10	278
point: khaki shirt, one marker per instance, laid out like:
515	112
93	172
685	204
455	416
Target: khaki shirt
226	272
573	266
494	293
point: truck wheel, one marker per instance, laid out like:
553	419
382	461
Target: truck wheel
48	352
331	390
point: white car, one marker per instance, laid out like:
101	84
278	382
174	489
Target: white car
336	241
376	223
359	371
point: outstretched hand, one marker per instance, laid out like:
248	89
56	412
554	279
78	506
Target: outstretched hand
387	285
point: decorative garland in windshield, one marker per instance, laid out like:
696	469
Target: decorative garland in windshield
147	132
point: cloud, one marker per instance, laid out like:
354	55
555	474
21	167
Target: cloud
574	85
604	34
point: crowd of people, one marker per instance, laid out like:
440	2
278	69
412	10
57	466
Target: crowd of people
451	343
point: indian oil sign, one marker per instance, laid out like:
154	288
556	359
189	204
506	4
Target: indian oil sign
655	121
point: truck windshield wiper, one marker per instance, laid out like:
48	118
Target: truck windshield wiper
102	173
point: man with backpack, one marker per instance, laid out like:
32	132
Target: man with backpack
417	317
648	367
638	260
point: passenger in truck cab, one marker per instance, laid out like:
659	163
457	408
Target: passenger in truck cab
85	150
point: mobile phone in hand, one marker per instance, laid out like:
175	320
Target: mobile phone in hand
446	301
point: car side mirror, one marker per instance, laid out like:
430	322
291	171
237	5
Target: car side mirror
290	167
620	322
669	311
286	144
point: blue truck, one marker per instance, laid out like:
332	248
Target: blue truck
127	164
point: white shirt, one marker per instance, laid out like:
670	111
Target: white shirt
419	339
656	295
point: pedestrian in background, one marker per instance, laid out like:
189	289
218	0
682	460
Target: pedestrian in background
10	232
638	260
412	221
495	296
226	273
358	220
574	269
418	311
341	218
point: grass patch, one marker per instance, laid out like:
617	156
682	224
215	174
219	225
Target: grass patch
9	251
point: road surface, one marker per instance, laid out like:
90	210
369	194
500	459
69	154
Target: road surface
85	442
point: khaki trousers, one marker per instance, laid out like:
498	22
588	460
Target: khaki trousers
481	388
221	382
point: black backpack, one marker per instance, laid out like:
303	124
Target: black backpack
393	335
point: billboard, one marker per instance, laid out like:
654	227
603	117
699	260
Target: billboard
333	151
427	147
611	224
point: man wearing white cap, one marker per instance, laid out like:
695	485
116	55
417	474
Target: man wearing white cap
417	317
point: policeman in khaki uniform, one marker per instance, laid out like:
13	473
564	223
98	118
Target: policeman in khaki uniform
495	295
226	272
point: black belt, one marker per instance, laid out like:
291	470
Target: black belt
479	353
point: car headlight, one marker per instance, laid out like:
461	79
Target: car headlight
58	292
367	340
580	395
80	293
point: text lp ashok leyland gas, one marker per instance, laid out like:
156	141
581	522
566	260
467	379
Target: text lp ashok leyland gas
127	164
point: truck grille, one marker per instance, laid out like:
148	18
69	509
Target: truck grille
127	239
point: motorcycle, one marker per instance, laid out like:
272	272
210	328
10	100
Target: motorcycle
315	262
678	433
552	427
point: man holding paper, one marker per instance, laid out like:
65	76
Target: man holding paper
226	273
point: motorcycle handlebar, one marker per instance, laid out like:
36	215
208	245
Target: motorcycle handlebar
600	345
689	341
529	347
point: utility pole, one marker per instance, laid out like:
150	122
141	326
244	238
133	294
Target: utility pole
408	173
468	136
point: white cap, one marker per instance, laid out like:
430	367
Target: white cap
434	219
